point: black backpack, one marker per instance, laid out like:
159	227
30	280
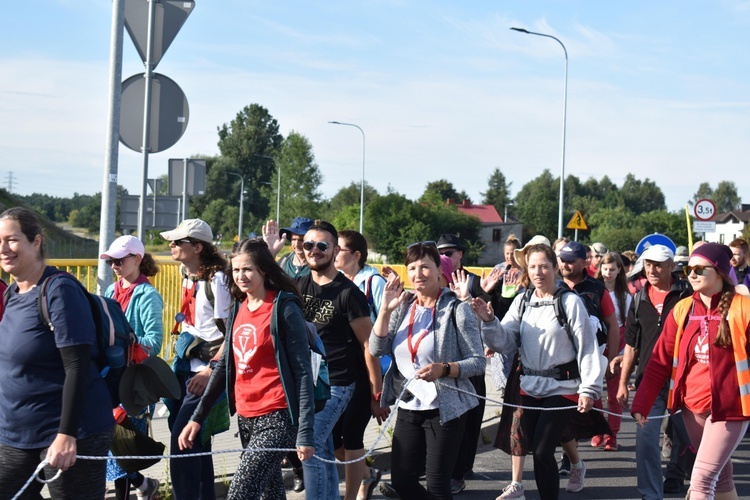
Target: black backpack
114	335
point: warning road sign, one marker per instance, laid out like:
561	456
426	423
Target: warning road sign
577	222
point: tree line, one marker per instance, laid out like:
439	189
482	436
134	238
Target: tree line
252	146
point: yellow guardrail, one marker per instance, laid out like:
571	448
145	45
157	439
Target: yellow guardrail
168	282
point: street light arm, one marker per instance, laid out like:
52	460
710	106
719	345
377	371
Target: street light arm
521	30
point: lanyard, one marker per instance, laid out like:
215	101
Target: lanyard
413	349
703	320
187	311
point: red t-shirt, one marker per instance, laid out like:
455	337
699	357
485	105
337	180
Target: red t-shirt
700	331
257	388
657	298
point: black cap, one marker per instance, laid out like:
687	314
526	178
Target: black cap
323	225
449	241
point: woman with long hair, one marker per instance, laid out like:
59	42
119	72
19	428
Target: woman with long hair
560	364
142	305
266	371
54	405
703	351
435	341
612	273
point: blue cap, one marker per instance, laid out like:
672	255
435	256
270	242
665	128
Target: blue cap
300	226
572	251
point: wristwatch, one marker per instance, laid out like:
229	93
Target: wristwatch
212	364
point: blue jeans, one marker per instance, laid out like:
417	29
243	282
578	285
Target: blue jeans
321	478
192	478
648	453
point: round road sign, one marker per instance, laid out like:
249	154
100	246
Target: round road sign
704	209
654	239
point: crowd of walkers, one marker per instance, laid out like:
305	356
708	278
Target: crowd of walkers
563	327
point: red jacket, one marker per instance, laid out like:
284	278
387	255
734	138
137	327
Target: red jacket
725	392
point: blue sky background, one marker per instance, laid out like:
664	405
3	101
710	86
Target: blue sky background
442	89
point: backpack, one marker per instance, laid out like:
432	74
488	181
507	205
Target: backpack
115	340
560	314
685	291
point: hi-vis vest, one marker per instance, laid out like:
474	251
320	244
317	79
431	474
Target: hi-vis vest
738	318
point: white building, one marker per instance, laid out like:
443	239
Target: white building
730	225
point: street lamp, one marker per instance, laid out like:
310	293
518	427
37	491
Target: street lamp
362	186
565	120
278	186
242	197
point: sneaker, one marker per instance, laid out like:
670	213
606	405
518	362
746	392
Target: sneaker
611	444
151	491
457	486
564	465
666	448
513	490
387	490
575	481
598	440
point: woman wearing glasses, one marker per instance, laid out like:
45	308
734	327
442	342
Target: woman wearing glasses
434	340
142	305
703	351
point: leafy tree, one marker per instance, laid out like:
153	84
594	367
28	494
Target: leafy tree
348	196
251	133
726	197
300	180
223	217
498	191
536	205
704	191
641	196
440	190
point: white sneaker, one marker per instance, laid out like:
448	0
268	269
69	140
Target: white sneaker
575	480
512	491
151	492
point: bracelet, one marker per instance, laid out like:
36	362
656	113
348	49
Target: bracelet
446	369
376	397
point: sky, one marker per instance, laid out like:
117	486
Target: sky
442	90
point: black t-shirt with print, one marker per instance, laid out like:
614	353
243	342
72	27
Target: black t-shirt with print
332	307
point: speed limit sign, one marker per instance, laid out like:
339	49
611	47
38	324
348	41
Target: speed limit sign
704	209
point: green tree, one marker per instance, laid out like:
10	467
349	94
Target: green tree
300	180
498	191
349	196
536	205
704	191
437	192
726	197
641	196
251	133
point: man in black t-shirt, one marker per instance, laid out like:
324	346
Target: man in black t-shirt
341	315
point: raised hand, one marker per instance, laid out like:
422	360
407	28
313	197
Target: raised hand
460	284
393	293
271	237
488	282
483	309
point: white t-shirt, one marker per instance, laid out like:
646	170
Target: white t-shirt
205	326
425	393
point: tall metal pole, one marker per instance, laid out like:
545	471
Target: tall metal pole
565	122
242	196
148	77
109	188
362	185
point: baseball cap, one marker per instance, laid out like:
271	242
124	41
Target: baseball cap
190	228
124	246
299	227
657	253
322	225
572	251
518	253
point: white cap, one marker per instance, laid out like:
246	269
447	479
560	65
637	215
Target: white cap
124	246
190	228
657	253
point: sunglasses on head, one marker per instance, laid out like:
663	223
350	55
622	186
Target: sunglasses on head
428	243
322	245
698	270
180	242
116	262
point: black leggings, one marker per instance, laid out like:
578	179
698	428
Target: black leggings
422	445
123	484
544	429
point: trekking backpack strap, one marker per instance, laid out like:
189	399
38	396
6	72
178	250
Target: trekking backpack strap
561	315
43	303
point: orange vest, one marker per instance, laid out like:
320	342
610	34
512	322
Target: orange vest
739	319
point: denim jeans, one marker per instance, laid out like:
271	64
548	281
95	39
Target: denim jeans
321	478
192	478
648	453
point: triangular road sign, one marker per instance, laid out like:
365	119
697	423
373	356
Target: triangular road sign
577	222
169	16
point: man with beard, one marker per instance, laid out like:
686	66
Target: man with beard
572	261
341	315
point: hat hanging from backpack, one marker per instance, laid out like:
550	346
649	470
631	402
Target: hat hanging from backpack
145	383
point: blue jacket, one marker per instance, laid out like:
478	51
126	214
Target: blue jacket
144	313
288	329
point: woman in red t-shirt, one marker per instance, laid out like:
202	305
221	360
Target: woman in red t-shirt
267	373
703	349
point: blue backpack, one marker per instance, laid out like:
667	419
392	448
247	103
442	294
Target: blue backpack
114	335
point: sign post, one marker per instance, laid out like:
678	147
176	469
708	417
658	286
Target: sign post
704	210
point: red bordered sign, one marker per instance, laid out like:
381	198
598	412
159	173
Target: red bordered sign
704	209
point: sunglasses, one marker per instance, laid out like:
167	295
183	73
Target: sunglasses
180	242
322	245
116	262
428	243
448	253
698	270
